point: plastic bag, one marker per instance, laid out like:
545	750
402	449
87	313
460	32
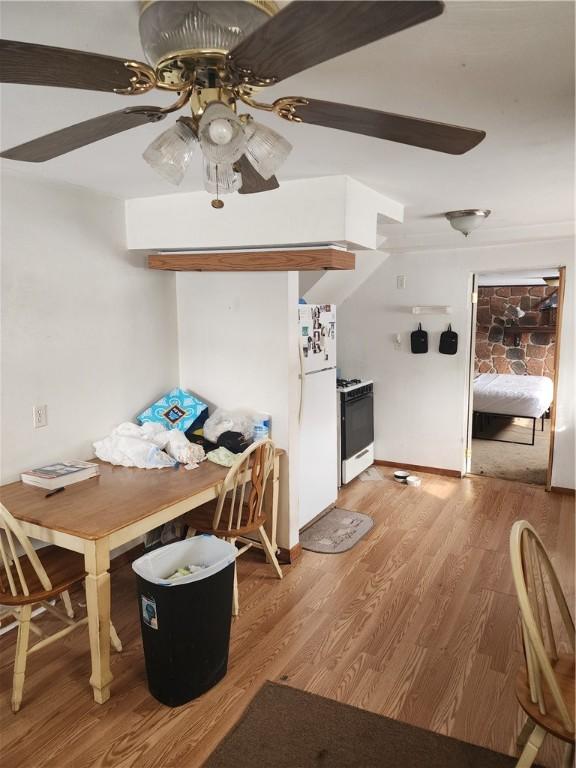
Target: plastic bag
208	552
131	446
182	449
240	420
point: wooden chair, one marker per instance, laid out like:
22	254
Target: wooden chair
25	581
236	514
545	686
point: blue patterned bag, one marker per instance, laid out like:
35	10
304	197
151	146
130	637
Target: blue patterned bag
177	410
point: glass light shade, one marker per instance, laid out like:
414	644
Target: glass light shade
170	26
215	151
468	220
466	224
265	149
170	153
221	178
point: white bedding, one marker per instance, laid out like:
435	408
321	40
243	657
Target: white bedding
512	395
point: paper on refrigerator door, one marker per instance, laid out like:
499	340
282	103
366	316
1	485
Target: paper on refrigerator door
317	337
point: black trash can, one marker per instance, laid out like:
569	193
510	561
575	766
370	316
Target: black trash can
185	623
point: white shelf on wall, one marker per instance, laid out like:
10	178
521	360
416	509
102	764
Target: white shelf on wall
432	310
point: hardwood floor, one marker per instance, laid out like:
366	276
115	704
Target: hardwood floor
417	622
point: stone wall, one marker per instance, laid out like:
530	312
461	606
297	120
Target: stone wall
499	350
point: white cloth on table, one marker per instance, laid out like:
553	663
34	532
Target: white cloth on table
147	447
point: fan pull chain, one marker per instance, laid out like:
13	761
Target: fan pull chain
217	203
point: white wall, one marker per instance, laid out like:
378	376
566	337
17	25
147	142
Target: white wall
329	209
420	400
86	329
238	349
335	285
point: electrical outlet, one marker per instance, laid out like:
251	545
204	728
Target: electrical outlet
40	416
400	281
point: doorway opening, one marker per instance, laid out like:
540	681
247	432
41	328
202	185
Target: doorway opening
514	362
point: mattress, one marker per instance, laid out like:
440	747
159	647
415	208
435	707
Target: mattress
512	395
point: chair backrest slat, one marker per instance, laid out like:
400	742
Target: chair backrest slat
16	561
547	620
12	528
7	565
253	467
240	505
532	568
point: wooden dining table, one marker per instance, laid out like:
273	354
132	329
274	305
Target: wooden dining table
96	516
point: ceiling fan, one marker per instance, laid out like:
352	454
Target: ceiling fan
216	56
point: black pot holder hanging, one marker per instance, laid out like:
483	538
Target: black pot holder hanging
448	342
419	341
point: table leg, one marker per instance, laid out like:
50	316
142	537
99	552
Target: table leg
97	562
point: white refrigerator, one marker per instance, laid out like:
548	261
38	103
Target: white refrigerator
318	413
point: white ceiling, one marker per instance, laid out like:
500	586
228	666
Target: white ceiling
505	67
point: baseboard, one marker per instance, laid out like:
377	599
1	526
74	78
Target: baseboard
419	468
559	489
289	555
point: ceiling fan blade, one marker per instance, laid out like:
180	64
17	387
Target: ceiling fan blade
79	135
308	32
31	64
252	182
441	137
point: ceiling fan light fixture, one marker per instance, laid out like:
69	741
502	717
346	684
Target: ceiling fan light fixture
170	153
265	149
169	27
467	220
221	178
221	134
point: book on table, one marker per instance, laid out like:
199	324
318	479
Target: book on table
60	474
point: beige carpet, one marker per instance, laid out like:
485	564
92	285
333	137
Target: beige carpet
287	728
523	463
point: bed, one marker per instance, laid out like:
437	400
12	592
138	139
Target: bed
503	394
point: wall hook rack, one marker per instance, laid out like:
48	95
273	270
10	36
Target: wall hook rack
432	310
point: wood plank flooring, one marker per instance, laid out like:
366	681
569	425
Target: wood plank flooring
417	622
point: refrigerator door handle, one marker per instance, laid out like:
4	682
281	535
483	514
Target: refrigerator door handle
301	399
321	370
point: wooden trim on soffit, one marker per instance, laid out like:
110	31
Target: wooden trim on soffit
419	468
254	261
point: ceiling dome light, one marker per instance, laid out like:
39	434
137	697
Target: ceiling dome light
467	220
221	134
265	149
170	153
167	28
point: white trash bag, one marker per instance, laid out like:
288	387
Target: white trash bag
207	553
